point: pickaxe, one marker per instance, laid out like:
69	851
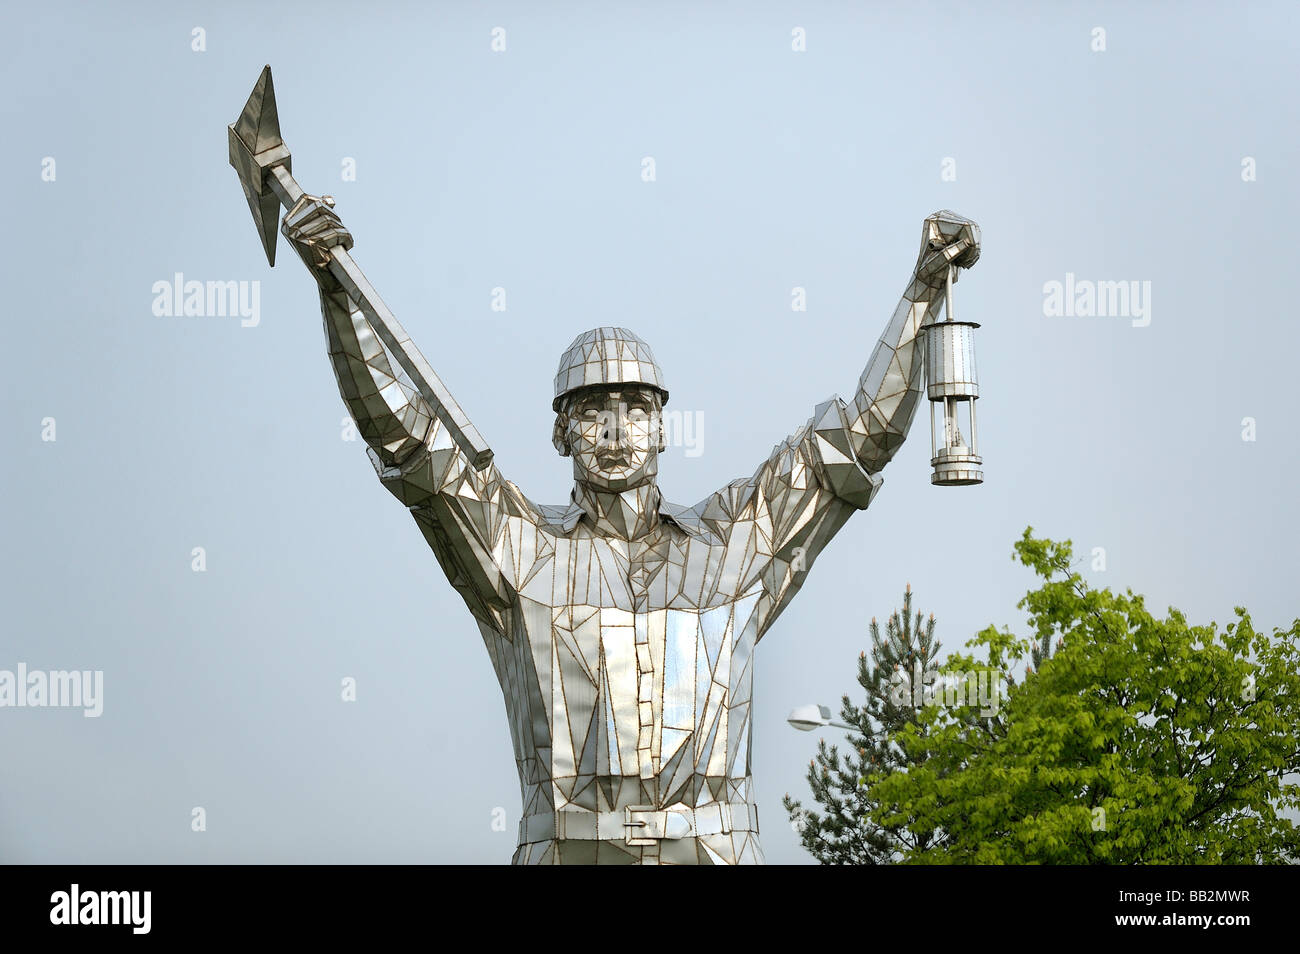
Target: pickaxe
262	160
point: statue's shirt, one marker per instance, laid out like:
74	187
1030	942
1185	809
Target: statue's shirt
626	666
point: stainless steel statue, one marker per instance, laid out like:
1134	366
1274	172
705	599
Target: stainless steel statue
622	627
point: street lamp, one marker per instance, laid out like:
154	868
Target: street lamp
807	718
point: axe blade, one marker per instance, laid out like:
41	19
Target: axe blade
255	149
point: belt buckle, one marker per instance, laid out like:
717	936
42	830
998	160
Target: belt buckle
639	831
655	824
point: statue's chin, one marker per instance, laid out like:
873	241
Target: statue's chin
616	482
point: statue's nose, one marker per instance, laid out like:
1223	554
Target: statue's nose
614	442
615	431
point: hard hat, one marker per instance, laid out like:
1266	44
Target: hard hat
607	356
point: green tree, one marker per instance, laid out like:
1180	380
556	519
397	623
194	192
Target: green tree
1140	740
844	833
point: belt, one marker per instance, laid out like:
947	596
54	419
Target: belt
639	824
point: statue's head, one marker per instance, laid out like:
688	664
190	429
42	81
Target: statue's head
609	395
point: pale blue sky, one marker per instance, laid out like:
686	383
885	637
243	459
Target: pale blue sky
521	169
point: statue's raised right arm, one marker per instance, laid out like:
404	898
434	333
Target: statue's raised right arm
459	509
391	416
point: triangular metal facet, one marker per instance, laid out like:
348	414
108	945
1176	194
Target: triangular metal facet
259	124
265	209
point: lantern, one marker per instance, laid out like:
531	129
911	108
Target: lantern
952	386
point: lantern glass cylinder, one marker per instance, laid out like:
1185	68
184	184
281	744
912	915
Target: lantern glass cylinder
953	388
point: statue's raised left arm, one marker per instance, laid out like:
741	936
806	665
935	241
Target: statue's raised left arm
889	389
783	516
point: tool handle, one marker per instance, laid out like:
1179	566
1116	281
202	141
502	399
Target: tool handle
949	278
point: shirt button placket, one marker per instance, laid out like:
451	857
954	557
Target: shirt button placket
638	577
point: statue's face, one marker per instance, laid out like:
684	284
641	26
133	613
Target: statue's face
613	434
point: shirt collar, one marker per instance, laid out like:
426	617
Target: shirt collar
574	513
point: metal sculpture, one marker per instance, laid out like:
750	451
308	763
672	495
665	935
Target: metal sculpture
622	627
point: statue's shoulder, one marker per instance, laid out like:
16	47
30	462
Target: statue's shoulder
521	506
724	507
694	521
558	519
685	517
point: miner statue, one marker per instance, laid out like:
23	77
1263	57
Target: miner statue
622	627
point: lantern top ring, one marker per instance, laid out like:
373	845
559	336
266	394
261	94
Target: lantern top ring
949	323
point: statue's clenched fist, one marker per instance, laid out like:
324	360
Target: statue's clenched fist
946	239
313	228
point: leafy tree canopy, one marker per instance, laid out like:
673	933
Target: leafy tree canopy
1132	739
